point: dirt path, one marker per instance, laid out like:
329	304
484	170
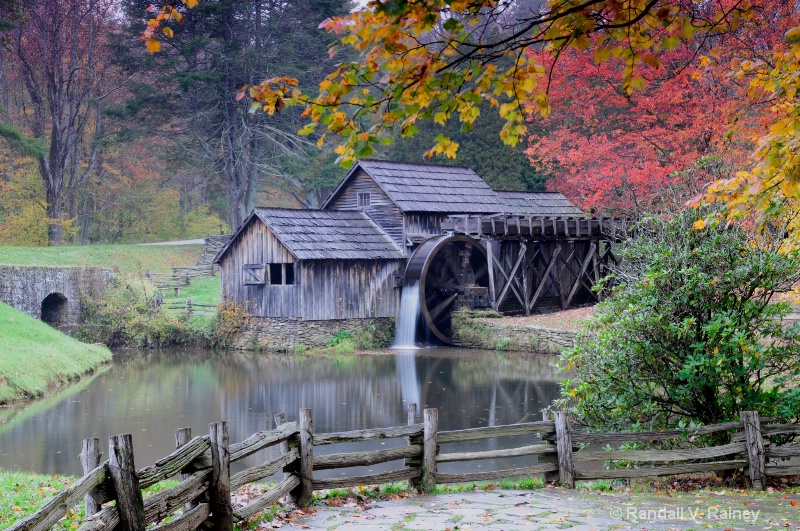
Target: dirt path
557	509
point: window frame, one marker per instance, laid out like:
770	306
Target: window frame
364	199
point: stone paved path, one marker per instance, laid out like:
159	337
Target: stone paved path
557	509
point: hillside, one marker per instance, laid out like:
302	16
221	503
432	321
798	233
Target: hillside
35	356
134	259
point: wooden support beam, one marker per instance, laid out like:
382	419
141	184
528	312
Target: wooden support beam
579	278
490	263
510	278
547	272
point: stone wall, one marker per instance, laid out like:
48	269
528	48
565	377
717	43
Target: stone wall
26	288
288	334
494	334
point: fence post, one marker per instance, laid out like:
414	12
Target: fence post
220	486
553	476
755	449
90	458
430	433
182	437
280	418
188	308
412	419
564	447
302	494
412	414
122	470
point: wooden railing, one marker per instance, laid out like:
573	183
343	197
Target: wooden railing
203	466
191	307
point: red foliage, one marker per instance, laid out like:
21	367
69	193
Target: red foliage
616	152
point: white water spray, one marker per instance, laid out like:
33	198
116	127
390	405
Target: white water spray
406	333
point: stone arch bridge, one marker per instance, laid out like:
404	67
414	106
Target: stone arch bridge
52	294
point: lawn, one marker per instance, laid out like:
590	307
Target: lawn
202	290
36	356
133	259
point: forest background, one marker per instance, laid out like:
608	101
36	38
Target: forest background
103	141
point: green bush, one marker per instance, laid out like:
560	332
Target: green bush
692	332
127	316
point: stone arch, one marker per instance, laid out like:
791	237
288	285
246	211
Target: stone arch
54	309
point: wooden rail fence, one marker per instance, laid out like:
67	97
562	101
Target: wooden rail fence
203	496
191	307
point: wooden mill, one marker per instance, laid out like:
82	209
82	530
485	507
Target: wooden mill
439	229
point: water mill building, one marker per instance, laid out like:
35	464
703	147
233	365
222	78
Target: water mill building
305	275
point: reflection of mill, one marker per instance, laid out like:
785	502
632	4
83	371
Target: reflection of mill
508	393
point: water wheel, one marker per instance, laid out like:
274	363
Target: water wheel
452	273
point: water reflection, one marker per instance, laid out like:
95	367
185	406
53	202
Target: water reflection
150	394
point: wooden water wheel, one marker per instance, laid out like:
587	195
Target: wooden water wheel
452	273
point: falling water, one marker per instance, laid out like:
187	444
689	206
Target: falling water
405	335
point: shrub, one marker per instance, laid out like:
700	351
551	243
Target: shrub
692	332
127	316
231	318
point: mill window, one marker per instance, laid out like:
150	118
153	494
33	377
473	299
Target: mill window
275	274
364	200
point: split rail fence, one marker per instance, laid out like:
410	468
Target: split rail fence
203	496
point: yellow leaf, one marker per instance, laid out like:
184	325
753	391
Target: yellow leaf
793	35
191	4
153	46
166	30
700	224
704	60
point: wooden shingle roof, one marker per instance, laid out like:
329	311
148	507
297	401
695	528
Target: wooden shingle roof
328	234
430	188
538	204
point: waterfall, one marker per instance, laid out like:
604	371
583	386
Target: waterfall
406	333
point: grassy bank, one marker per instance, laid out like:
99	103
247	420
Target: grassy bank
36	356
126	258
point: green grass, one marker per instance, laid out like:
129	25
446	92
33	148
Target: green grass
126	258
23	493
35	356
202	290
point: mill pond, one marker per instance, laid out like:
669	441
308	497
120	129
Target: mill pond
152	393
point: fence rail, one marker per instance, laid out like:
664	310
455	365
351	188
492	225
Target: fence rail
202	498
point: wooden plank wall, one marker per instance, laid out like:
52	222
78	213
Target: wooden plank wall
257	245
428	223
382	210
350	289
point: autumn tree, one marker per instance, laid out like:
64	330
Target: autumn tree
615	151
210	57
65	73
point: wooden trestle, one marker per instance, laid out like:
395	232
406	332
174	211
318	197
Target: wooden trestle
536	261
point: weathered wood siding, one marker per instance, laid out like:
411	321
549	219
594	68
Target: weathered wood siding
350	289
428	223
257	245
382	210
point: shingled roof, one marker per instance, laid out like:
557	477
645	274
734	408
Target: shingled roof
324	234
538	204
429	188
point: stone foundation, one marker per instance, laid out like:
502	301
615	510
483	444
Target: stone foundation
492	334
289	334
